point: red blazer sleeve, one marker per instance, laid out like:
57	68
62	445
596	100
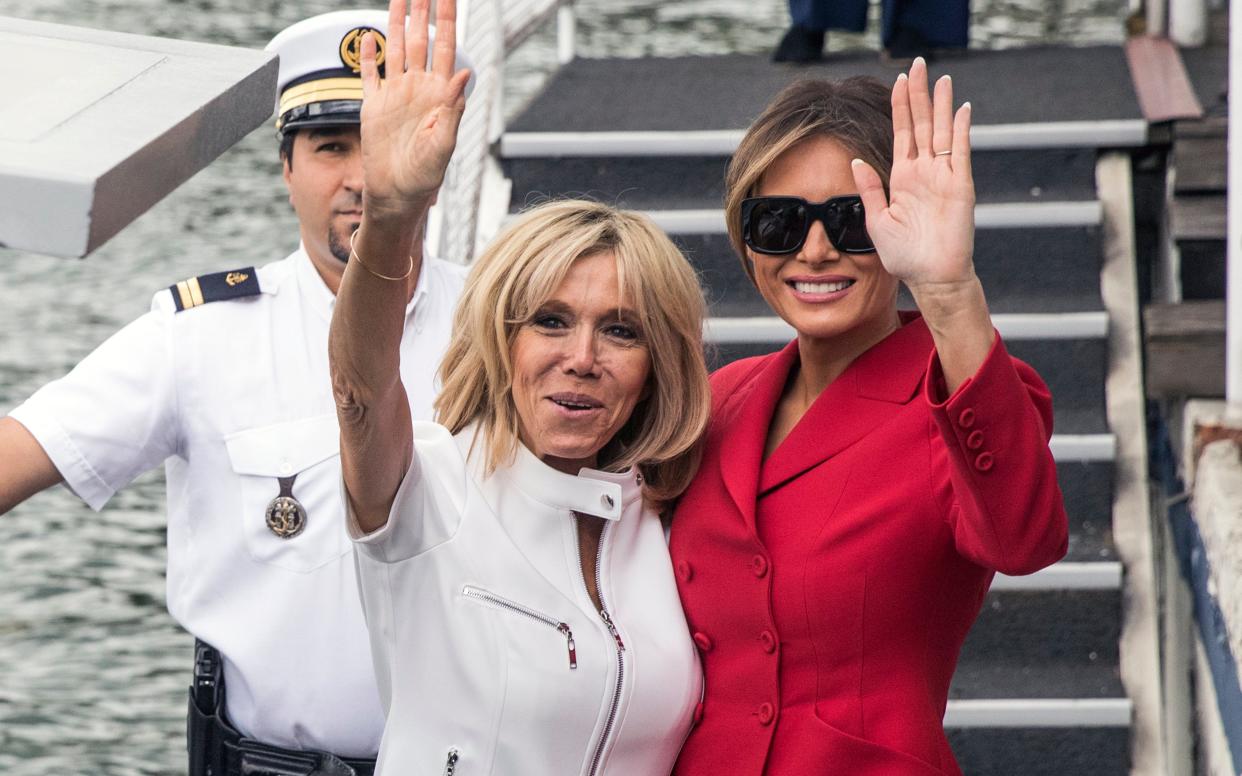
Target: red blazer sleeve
990	438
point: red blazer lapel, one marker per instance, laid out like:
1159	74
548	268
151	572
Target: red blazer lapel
742	428
858	401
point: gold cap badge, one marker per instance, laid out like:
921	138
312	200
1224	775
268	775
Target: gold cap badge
351	48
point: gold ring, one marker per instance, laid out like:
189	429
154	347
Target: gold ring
942	153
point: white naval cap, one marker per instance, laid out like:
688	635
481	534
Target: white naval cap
320	82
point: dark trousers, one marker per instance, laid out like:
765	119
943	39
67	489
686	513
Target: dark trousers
942	23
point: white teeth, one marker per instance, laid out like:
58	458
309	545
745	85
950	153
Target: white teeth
821	288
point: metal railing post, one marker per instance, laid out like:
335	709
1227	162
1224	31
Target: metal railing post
1157	17
566	32
1188	22
1233	256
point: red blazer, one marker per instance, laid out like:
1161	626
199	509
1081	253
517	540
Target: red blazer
830	587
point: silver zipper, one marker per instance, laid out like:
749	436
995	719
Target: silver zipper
598	757
450	763
479	594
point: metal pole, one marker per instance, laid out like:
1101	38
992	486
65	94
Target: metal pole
1233	267
566	32
1157	17
1188	22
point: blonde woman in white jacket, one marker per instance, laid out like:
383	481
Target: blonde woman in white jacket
516	582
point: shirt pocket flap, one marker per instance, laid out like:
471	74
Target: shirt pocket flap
284	449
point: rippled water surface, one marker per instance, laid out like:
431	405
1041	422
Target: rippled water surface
92	670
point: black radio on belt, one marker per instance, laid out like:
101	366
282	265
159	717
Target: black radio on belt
217	749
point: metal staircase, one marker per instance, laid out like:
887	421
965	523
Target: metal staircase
1039	689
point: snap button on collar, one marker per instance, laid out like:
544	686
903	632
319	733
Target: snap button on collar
607	501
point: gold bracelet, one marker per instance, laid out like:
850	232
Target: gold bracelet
353	254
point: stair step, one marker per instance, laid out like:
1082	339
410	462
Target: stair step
1074	369
1039	713
723	142
687	182
1058	751
1043	644
1203	268
1085	85
1200	217
771	330
1065	575
995	215
1200	164
1022	270
1087	488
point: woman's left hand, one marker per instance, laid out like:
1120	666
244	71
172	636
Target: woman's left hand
924	231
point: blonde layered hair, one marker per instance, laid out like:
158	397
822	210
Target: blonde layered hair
856	112
520	271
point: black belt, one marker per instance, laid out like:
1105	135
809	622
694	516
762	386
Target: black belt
216	748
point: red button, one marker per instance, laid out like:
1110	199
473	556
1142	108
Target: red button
685	572
704	641
759	565
983	461
766	714
967	418
698	713
768	641
975	440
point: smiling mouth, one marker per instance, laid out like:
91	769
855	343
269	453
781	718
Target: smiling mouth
576	403
805	287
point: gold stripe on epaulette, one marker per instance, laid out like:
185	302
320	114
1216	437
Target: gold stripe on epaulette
196	292
183	291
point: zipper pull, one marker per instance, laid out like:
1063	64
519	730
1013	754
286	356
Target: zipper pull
450	763
612	629
569	638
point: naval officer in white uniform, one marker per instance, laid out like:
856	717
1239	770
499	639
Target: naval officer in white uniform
225	382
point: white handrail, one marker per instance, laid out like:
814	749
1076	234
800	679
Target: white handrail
473	186
1233	250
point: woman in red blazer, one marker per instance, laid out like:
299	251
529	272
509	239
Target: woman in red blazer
861	486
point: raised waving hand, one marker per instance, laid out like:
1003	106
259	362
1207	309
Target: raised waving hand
410	117
924	230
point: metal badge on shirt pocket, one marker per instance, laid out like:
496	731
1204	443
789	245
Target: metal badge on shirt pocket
286	517
289	479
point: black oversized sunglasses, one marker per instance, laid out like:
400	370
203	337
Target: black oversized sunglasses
779	225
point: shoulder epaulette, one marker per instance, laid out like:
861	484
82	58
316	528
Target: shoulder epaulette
215	287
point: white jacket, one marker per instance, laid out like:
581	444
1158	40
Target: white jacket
490	655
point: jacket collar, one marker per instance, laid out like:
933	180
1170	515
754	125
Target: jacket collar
591	491
863	397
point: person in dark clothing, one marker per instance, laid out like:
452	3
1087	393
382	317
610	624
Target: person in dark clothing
908	28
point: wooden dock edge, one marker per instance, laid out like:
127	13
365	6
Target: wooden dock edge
1185	348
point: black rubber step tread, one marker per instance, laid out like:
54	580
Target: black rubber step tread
1043	644
727	92
1073	370
1068	751
1086	486
1201	165
1198	217
1087	489
1028	270
682	183
1208	68
1203	269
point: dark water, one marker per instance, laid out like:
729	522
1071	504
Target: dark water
92	670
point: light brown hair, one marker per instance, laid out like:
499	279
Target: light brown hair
856	112
521	270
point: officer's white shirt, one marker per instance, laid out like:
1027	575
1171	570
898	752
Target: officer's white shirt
232	395
473	590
